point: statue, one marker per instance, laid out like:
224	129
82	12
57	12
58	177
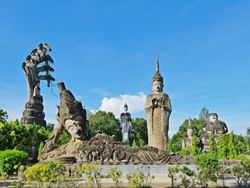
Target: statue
71	118
126	124
33	112
100	148
187	141
215	126
158	109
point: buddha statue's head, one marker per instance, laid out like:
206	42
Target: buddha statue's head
125	107
213	117
157	85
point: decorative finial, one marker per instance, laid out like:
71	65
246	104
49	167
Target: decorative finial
157	75
189	123
157	67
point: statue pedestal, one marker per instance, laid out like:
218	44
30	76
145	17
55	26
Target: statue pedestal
33	113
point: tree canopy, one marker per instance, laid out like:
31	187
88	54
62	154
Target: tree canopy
105	122
139	131
3	115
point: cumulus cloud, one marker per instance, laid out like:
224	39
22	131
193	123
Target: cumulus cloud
115	104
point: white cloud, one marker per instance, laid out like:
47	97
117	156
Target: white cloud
115	104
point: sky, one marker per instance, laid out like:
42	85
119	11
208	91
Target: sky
105	52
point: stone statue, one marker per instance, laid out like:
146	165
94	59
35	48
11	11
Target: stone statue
158	109
215	126
33	112
101	148
187	141
71	118
126	124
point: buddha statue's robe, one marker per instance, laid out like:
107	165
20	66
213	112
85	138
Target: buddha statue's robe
158	109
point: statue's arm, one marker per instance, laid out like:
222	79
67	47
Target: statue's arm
167	104
53	139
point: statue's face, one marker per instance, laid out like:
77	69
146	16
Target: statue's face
213	118
74	128
157	86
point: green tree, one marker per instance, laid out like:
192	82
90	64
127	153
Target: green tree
208	167
10	160
241	144
212	146
204	114
195	147
139	131
14	135
232	146
175	143
222	148
105	122
3	115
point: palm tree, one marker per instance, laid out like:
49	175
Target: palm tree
3	115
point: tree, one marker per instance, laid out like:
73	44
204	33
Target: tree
139	131
195	147
232	146
241	144
105	122
204	114
3	115
212	146
208	167
14	135
222	150
175	143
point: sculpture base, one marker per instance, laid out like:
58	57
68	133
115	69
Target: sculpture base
102	149
33	113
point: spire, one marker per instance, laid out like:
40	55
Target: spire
157	66
190	123
157	75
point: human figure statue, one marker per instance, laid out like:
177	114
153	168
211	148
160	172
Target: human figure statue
187	141
71	118
158	109
36	63
126	124
212	126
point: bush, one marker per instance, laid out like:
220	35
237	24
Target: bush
208	167
115	173
10	160
242	172
14	135
92	172
50	172
136	180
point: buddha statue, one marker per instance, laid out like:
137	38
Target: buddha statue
158	109
215	126
126	124
187	141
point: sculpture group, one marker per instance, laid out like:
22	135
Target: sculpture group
72	118
36	64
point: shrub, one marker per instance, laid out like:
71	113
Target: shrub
242	172
115	173
10	160
135	180
50	172
92	173
208	167
172	172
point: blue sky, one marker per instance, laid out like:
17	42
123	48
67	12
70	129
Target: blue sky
105	53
